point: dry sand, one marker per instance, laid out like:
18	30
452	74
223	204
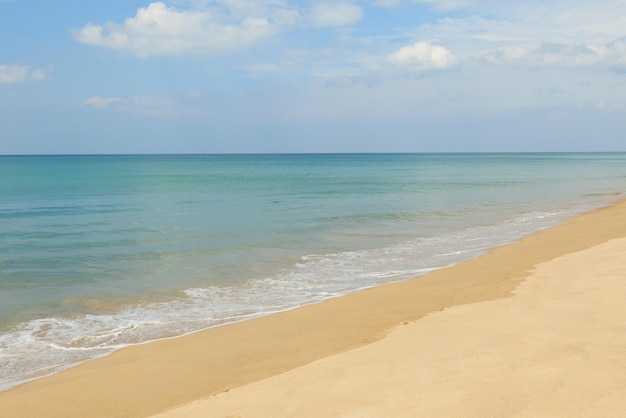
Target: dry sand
554	348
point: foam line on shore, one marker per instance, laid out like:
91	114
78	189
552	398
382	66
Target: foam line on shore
143	380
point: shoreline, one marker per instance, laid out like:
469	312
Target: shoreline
555	348
144	380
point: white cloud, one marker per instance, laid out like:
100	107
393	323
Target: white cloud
13	73
161	30
326	14
557	54
102	102
19	73
423	56
150	105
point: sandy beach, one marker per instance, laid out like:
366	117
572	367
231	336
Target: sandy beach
556	349
531	329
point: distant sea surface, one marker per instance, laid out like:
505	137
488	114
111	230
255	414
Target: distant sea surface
101	252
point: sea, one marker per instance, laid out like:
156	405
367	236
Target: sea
101	252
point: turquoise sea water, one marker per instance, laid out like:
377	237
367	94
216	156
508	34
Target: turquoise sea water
99	252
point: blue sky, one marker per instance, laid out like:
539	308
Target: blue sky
214	76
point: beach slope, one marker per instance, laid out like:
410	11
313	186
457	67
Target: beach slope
523	350
556	349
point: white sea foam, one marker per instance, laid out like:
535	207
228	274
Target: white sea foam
44	346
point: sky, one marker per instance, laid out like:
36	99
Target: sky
250	76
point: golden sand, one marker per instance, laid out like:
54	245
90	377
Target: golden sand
253	356
556	349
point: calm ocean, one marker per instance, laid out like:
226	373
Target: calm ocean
99	252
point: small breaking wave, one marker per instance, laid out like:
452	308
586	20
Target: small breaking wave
41	347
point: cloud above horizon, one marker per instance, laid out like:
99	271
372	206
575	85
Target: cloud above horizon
152	105
555	54
98	102
329	14
423	56
207	28
161	30
19	73
486	38
520	34
271	64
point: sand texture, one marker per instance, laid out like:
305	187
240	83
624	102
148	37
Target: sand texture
554	348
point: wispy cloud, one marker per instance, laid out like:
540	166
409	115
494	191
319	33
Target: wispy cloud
558	54
150	105
19	73
324	14
98	102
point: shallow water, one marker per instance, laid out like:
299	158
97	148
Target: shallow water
99	252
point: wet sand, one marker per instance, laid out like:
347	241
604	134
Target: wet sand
344	372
